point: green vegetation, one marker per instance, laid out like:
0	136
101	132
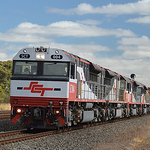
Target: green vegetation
5	75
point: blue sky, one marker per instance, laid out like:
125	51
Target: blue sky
114	34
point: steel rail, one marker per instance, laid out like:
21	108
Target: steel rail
2	134
4	116
5	112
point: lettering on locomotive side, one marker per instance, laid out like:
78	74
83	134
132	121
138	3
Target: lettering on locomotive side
72	89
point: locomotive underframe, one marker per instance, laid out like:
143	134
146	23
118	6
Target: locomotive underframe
97	112
102	111
76	113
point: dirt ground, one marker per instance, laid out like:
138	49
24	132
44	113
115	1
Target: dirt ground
135	140
141	142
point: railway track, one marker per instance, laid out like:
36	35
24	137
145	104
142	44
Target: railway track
5	114
12	136
21	135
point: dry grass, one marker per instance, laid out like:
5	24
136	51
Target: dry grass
5	106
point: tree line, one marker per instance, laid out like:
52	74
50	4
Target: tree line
5	76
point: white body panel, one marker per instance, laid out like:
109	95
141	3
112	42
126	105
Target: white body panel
86	92
113	92
54	89
133	100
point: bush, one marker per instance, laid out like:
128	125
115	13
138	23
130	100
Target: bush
5	76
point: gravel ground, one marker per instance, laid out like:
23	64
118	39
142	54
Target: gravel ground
129	134
6	125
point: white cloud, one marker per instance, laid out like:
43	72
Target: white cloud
3	56
89	22
135	48
8	51
25	38
144	40
33	33
141	7
145	20
138	54
68	28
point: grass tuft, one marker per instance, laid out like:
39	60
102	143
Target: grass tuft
5	106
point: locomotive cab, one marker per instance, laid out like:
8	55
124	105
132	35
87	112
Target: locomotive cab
40	84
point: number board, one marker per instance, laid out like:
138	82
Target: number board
24	56
56	56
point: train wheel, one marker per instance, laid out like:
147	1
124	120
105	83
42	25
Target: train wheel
102	117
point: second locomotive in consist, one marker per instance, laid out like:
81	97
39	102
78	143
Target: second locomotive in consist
51	88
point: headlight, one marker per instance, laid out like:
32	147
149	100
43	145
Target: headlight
19	110
43	56
57	111
40	56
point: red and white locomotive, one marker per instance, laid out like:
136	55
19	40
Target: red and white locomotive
51	88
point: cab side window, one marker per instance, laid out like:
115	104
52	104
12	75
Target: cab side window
72	71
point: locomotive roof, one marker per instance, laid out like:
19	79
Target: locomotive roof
53	54
49	54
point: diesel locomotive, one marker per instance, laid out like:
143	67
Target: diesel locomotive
51	88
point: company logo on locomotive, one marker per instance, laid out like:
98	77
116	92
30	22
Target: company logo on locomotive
37	88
